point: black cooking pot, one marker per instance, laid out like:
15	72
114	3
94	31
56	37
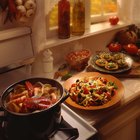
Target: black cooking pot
36	125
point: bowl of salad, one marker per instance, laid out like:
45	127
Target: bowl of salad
78	60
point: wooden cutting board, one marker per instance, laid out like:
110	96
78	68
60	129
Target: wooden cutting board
134	72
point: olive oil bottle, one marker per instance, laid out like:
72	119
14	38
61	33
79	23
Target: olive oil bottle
78	17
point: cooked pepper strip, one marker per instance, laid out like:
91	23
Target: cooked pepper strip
36	103
30	88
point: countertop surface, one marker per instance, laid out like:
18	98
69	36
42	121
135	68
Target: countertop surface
94	117
132	93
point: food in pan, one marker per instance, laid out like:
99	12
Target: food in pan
92	91
28	97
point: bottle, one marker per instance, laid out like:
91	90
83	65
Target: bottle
78	17
63	19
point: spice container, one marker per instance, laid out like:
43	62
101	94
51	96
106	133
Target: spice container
64	19
47	61
78	17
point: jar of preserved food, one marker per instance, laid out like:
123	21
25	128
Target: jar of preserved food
78	17
63	19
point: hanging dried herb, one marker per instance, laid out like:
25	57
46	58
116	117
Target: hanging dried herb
3	4
12	11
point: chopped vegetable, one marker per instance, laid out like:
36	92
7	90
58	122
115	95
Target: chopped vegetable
67	76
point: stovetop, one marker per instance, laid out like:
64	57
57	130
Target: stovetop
64	130
73	126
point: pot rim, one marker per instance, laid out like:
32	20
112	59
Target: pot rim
5	93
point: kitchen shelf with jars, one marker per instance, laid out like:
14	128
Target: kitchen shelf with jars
93	30
74	25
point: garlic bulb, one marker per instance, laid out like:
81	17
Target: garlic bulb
30	4
25	8
18	2
21	9
30	12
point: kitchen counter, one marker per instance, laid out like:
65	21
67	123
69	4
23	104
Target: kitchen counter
131	95
129	106
98	118
113	119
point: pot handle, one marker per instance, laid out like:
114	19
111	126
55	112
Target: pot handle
2	116
1	109
65	97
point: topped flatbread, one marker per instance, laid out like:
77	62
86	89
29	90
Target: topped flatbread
101	62
106	56
111	66
111	61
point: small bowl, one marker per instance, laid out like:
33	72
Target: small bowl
78	60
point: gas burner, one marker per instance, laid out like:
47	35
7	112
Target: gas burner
67	129
63	130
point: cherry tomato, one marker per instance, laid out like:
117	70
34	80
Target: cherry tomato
115	47
113	20
73	85
86	91
131	48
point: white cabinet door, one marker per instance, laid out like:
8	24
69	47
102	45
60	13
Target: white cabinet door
15	45
127	132
123	125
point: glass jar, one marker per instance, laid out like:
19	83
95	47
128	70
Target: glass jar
63	19
78	17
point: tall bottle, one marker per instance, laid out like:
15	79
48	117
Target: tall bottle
63	19
78	17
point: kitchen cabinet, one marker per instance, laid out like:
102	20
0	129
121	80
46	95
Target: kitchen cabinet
16	46
123	125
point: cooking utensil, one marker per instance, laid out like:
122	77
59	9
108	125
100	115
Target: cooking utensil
35	125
